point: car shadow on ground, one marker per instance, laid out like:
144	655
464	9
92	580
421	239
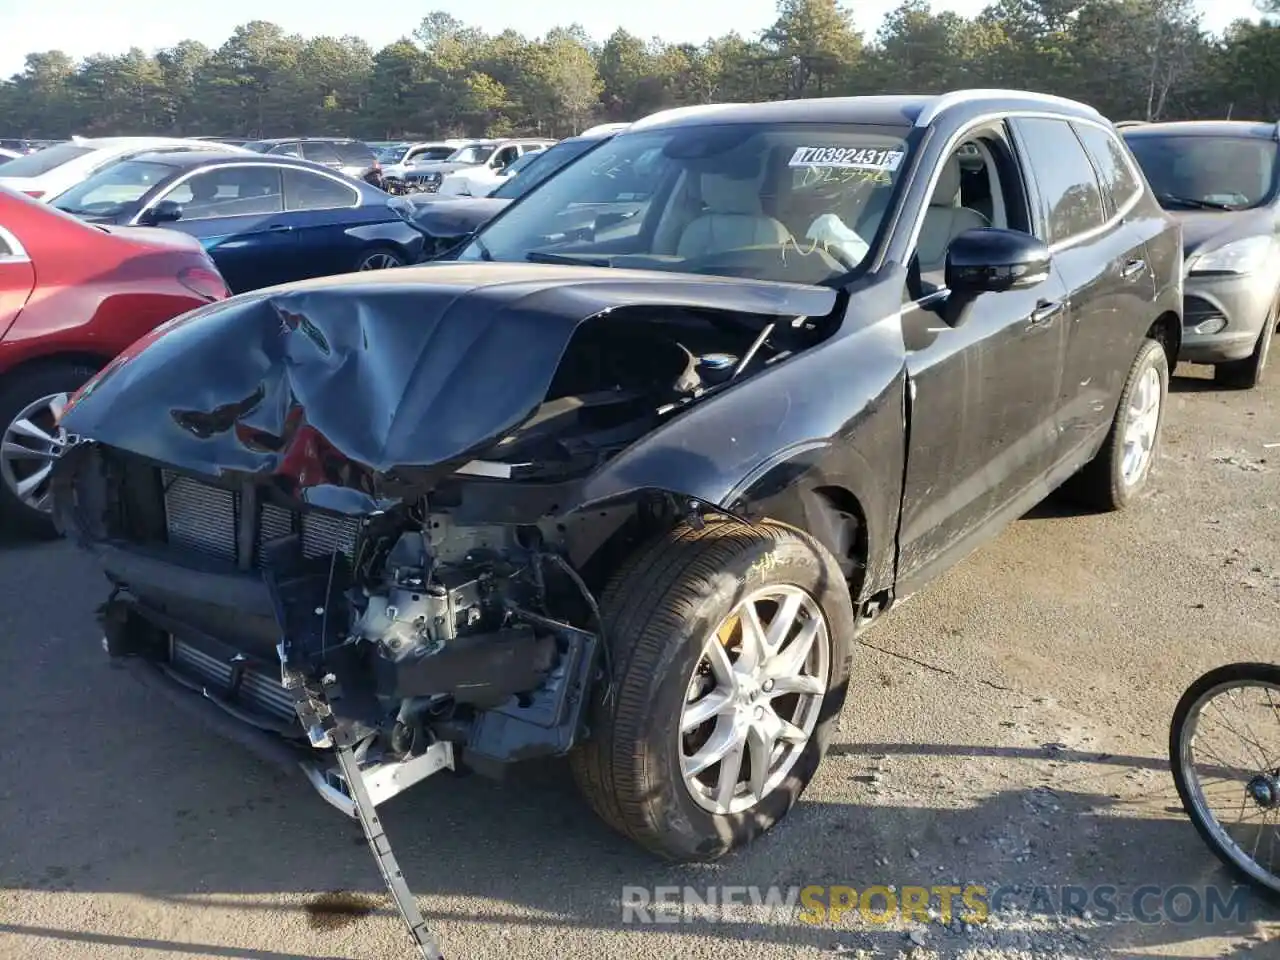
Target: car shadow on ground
532	852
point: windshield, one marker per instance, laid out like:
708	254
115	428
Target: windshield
110	191
392	154
472	154
1236	172
41	162
260	146
541	165
794	202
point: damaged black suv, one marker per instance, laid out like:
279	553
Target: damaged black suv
629	492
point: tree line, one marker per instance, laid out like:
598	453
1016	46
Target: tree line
1132	59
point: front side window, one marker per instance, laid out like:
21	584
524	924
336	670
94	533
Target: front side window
506	156
1070	200
41	162
229	192
768	201
111	191
304	190
472	154
1197	171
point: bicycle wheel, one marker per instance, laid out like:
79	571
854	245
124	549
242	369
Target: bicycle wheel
1224	749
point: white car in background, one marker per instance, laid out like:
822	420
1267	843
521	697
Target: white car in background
53	170
482	181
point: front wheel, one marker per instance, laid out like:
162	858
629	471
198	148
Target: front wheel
731	649
1247	373
1118	474
1224	750
31	402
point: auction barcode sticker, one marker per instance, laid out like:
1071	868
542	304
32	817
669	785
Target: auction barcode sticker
854	158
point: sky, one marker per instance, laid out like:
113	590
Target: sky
82	27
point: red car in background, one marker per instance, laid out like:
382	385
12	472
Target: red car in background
73	296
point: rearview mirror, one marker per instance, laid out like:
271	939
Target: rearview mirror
166	211
990	259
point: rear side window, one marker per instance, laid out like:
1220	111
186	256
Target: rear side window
304	190
1112	163
1070	200
319	153
36	164
354	154
286	150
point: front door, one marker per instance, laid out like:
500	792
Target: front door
237	213
983	390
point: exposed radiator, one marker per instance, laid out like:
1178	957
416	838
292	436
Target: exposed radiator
206	518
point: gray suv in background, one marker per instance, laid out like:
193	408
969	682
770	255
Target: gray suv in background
1220	179
355	158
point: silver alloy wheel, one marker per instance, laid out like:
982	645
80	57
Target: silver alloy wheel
379	261
1141	422
754	698
28	448
1248	787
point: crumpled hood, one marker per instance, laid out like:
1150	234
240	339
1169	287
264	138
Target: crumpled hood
346	384
448	217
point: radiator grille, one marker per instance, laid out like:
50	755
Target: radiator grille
206	518
258	691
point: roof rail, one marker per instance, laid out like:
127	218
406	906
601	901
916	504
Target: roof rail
947	100
1120	125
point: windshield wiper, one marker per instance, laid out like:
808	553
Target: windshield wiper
484	250
1167	198
538	256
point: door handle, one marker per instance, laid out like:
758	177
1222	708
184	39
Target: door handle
1132	268
1045	311
279	228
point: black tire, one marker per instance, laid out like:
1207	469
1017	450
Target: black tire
658	611
16	393
380	251
1248	373
1101	483
1230	675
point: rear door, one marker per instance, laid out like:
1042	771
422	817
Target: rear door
237	214
320	210
1102	264
17	279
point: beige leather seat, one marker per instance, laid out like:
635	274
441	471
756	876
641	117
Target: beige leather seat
733	218
945	219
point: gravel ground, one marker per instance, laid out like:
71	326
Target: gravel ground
1006	727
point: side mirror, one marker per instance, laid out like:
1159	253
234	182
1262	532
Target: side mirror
990	259
166	211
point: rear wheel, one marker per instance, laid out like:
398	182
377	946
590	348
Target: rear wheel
1117	475
379	258
731	650
30	403
1247	373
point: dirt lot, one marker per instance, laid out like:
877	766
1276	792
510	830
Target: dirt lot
1006	728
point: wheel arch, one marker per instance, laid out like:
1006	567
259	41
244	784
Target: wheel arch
1167	331
67	358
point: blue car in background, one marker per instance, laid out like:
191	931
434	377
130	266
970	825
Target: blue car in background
263	220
